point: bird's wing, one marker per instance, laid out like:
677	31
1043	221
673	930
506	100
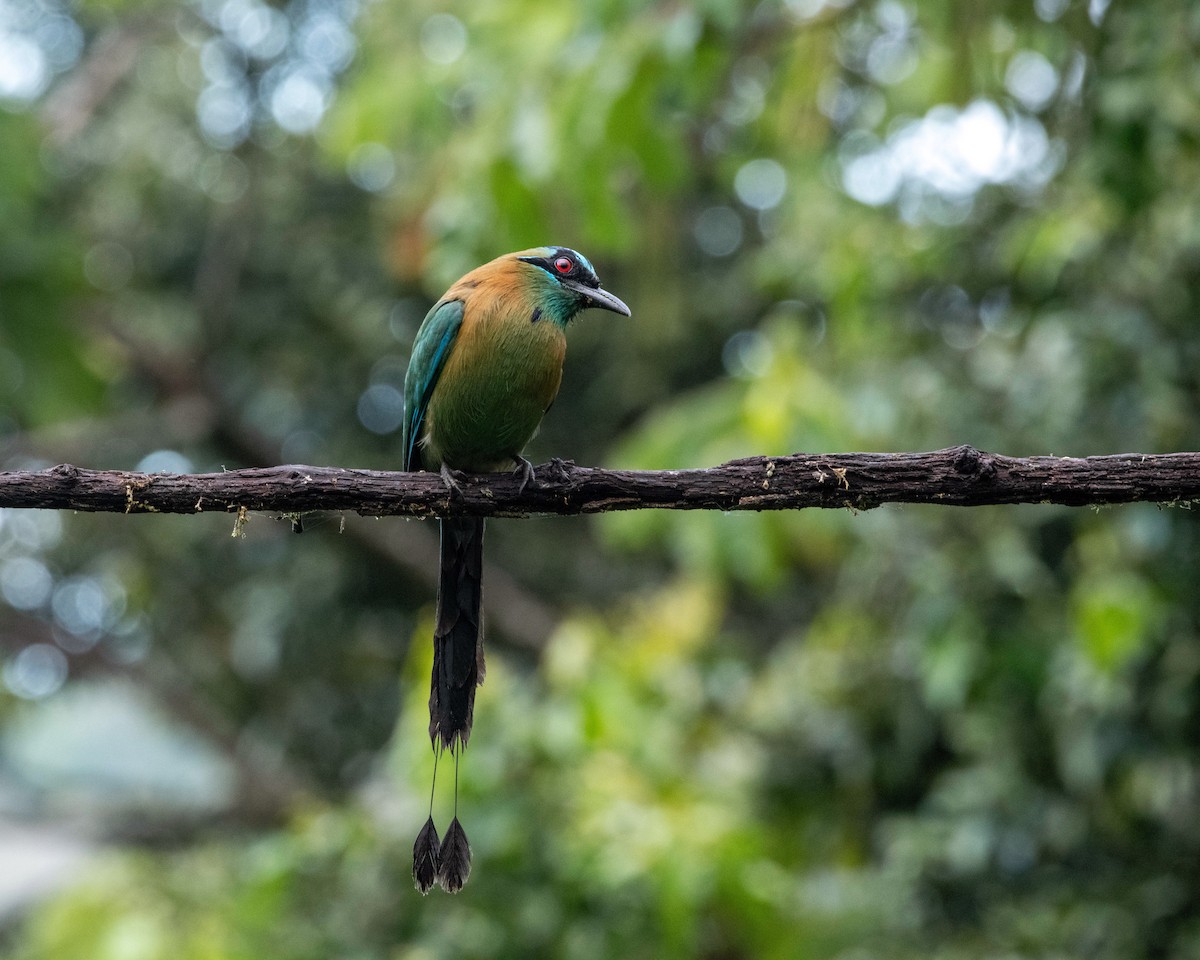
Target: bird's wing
430	350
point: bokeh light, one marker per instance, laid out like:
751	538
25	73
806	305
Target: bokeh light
443	39
718	231
948	154
761	183
37	671
38	39
371	166
1032	79
25	582
381	408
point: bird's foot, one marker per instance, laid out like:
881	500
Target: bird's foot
453	480
524	470
561	469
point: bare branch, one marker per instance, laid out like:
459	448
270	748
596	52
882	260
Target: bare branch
961	476
71	107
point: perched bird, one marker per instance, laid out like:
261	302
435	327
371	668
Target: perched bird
486	365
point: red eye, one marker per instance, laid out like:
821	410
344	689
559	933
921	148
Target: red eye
563	265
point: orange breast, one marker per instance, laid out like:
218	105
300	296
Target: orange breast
502	374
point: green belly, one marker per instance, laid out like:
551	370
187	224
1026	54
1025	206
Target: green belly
490	400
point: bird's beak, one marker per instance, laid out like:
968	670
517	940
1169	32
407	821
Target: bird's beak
598	298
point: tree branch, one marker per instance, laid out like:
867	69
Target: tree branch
72	105
961	476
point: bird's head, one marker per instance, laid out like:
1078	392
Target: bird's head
566	278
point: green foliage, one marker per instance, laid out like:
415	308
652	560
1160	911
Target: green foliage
916	732
46	376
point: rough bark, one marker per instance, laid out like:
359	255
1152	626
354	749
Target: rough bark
961	476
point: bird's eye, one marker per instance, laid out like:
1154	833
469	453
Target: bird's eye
563	265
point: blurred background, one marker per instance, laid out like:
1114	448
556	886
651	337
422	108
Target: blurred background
877	225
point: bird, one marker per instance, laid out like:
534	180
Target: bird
486	365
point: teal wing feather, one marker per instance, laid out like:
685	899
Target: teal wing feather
432	346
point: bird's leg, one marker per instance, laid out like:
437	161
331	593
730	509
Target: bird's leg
524	469
453	480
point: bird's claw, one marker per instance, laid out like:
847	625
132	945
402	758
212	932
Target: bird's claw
453	480
524	470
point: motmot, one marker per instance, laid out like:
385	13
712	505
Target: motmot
486	365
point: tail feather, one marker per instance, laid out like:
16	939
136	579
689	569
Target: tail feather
458	635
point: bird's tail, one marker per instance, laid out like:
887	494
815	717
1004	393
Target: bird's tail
458	635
